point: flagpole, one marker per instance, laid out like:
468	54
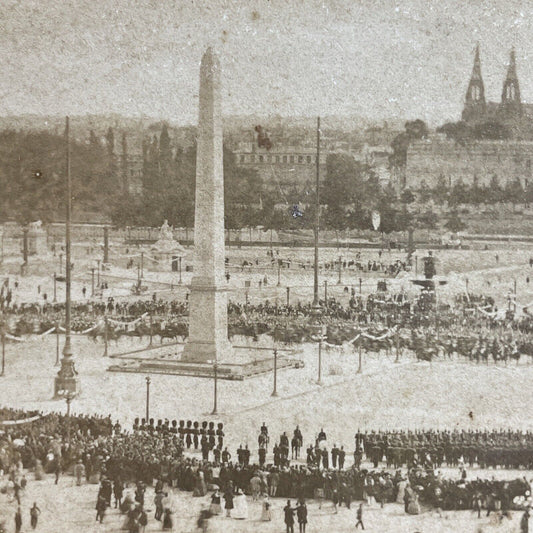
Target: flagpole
66	381
317	214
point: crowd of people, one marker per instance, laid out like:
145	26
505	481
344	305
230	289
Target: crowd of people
388	466
391	321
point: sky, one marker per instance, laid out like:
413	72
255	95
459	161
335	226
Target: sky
377	59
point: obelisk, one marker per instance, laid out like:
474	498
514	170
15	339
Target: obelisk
208	314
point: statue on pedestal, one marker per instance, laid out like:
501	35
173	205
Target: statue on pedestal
165	243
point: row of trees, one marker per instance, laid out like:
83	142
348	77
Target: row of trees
32	175
475	193
462	132
350	192
168	178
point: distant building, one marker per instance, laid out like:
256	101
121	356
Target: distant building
429	159
287	166
295	166
511	112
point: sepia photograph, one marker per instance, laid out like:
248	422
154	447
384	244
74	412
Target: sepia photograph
266	266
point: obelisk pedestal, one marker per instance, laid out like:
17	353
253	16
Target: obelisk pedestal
208	315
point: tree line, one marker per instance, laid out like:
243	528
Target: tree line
32	172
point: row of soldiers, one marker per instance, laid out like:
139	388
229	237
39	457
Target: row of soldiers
505	448
192	433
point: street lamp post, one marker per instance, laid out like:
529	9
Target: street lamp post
360	286
179	264
66	381
279	273
215	391
319	380
105	336
148	381
360	369
340	270
57	344
55	287
326	293
436	313
98	273
3	334
320	339
397	343
275	390
106	244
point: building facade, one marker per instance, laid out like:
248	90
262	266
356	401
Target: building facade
295	166
285	166
431	159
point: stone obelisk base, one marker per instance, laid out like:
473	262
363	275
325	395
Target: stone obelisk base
208	333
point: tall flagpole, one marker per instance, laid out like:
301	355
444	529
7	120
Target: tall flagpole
66	382
317	214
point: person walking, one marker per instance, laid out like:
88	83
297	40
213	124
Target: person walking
18	521
335	500
273	480
255	487
289	517
301	514
524	522
34	515
79	472
168	523
57	468
477	504
143	521
101	506
266	512
228	500
118	490
360	517
158	502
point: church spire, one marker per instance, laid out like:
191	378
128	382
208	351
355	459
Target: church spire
474	108
511	101
476	71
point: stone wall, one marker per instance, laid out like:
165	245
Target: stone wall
429	159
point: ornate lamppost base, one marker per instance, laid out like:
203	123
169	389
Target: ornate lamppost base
66	382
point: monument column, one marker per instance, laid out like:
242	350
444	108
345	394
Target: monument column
208	320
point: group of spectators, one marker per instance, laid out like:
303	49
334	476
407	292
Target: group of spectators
98	451
469	327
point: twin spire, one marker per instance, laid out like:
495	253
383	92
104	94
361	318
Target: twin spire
475	103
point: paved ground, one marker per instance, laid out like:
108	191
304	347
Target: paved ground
70	509
387	395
